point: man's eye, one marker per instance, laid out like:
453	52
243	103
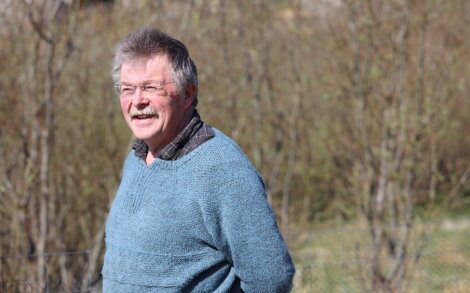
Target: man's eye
151	89
127	90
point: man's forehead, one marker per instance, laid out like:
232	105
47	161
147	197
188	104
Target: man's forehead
143	61
157	64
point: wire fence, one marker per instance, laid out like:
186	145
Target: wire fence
16	277
327	260
339	259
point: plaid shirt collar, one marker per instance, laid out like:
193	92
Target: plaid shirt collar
193	135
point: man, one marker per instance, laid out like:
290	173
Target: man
190	214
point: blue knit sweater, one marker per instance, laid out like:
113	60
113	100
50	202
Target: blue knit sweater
198	224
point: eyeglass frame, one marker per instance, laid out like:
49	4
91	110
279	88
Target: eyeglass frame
159	89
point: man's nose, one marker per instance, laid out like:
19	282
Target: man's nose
138	97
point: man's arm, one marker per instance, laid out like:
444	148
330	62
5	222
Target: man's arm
244	229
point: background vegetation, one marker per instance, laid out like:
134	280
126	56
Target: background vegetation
353	111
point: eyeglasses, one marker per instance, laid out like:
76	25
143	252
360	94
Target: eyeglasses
149	90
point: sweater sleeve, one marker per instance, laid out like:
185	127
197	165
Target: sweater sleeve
243	228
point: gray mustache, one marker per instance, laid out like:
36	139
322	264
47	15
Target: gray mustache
145	111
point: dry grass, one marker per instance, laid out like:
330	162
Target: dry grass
336	260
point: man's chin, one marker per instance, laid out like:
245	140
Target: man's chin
145	135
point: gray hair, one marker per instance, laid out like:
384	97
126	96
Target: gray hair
149	42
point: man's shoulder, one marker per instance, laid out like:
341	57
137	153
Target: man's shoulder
222	149
223	158
221	138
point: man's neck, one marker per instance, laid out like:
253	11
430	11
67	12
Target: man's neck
151	157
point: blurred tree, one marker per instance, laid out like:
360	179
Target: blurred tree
392	123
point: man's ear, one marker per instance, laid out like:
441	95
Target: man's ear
189	95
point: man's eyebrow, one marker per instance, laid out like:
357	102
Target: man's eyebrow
148	81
